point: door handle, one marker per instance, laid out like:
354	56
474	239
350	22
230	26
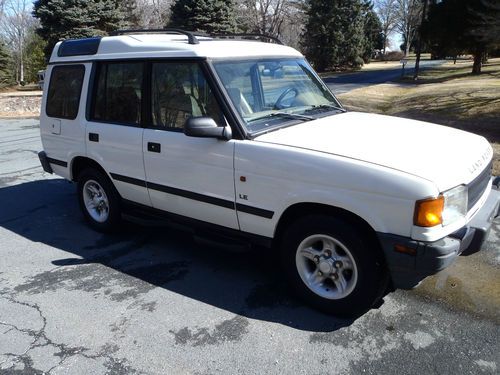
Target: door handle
154	147
93	137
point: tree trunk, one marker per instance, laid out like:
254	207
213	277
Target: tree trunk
484	59
419	43
476	68
22	64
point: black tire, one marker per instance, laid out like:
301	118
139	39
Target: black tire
113	220
371	275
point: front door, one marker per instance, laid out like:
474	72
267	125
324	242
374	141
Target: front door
192	177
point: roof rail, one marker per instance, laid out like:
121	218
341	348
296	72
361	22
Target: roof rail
191	37
247	36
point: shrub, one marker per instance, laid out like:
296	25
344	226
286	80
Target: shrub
391	56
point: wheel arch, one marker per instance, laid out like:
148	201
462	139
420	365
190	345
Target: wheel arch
80	163
299	210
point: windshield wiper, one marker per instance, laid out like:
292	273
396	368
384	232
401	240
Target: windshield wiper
328	106
294	116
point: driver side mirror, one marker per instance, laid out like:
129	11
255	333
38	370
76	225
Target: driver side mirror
206	127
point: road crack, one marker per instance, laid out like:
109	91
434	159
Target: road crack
40	340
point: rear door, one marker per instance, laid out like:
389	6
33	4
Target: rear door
192	177
114	132
61	120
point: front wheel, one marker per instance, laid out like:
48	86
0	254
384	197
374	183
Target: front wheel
99	200
332	266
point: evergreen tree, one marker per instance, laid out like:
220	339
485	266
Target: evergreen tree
334	34
130	14
462	26
65	19
6	74
209	16
374	37
34	56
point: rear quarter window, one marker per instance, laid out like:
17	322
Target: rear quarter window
65	88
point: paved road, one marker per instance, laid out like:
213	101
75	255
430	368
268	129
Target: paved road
346	82
150	300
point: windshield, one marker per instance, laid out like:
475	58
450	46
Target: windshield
271	93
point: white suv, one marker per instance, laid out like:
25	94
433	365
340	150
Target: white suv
243	137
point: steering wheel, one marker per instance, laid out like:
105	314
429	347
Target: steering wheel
283	95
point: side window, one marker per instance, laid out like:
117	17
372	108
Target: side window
118	93
180	91
64	92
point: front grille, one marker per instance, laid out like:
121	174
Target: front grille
477	187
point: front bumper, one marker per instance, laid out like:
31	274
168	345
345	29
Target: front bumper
411	261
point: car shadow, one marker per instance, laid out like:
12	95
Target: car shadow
249	284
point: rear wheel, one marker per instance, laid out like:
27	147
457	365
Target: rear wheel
99	200
332	266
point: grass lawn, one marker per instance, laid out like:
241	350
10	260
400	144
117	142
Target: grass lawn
447	95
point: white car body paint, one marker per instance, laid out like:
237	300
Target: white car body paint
390	161
374	166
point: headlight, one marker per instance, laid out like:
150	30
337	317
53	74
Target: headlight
445	209
455	204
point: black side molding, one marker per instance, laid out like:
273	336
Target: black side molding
57	162
129	180
254	211
195	196
192	195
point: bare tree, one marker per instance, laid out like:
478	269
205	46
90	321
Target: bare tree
279	18
387	11
2	7
409	13
15	24
148	14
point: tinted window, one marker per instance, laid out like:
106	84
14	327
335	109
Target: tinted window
118	93
180	91
64	92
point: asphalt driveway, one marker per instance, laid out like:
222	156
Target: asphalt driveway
343	83
151	300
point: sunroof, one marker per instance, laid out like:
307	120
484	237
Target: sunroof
79	47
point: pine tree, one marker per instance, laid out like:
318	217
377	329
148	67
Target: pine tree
209	16
34	56
130	14
6	74
373	35
461	26
334	34
64	19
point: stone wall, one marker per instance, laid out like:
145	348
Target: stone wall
20	106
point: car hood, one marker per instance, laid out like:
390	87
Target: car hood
443	155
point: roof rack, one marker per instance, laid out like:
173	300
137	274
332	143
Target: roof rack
264	37
191	37
192	34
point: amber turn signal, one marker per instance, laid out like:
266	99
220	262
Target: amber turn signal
428	212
